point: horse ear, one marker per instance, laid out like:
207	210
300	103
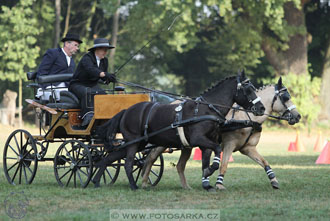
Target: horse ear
279	83
241	74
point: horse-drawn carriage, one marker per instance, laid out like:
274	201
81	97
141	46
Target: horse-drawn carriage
79	147
88	153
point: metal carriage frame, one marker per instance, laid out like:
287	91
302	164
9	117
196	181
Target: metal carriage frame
80	147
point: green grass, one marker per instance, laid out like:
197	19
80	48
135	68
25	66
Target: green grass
304	193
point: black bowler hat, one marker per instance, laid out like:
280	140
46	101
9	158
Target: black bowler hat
71	37
101	43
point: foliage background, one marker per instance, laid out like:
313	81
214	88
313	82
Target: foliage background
209	40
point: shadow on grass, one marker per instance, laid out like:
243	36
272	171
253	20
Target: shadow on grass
294	160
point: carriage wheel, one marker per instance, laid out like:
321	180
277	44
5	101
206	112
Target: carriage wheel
156	169
111	173
73	164
20	158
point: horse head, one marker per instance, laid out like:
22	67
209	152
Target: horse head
282	104
246	96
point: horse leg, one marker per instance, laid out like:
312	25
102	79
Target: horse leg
208	171
106	161
206	155
252	152
227	151
151	158
131	151
184	157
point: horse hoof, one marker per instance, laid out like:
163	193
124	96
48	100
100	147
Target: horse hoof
97	185
187	187
211	190
220	187
134	188
275	185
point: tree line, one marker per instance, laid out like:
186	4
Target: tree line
207	41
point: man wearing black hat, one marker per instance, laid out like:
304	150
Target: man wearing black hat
59	60
92	67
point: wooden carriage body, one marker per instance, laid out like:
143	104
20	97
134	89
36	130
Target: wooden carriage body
105	107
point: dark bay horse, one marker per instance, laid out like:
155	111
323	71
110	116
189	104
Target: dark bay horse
275	98
200	123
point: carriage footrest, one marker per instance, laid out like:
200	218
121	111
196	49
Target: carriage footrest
63	105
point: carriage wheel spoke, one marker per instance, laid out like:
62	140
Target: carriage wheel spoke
62	167
26	181
108	172
67	183
17	145
83	172
78	161
64	174
74	179
27	167
20	173
81	182
25	154
12	166
104	178
137	177
149	178
10	158
61	157
68	154
15	173
154	173
13	149
135	169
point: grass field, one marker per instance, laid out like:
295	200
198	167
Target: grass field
304	193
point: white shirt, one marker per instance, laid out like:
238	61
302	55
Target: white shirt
98	60
68	58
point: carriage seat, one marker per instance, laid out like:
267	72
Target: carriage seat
67	101
51	92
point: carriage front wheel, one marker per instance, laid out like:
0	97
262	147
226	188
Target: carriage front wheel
73	164
20	160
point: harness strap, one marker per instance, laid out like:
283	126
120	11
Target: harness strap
178	119
172	126
147	121
256	127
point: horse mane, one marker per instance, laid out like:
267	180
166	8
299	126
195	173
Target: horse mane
217	84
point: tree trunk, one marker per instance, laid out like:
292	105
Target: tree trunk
20	107
114	37
57	22
294	59
325	95
89	20
67	18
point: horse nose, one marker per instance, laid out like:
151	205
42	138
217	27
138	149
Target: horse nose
298	117
262	109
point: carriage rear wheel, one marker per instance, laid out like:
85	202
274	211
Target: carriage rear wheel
157	168
111	173
20	158
73	164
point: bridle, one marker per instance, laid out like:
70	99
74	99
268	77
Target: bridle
245	86
284	95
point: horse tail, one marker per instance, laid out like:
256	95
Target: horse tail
108	130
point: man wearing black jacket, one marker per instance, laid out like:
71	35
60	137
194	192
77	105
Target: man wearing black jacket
92	67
